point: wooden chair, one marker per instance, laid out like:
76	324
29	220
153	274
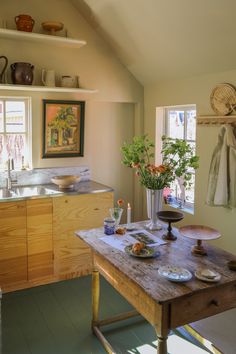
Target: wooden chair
217	333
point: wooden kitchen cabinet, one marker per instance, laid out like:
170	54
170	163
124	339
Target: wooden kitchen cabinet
13	243
39	238
72	257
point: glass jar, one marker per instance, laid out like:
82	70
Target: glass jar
109	226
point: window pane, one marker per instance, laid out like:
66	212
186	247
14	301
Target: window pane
189	192
1	117
15	147
2	157
176	124
15	116
191	125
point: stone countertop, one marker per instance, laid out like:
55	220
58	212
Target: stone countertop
50	190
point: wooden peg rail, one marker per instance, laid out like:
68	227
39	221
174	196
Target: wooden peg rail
215	120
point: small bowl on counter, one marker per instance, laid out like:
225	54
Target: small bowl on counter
65	181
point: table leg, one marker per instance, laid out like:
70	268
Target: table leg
162	345
95	296
161	342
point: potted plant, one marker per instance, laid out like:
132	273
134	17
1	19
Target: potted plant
178	159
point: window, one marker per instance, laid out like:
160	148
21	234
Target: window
179	122
14	131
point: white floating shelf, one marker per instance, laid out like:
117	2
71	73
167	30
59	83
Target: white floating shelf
216	120
41	38
44	89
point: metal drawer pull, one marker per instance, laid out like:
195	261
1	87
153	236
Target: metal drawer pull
215	302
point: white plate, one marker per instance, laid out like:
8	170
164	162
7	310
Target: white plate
198	274
176	274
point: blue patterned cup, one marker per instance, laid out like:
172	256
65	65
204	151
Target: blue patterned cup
109	226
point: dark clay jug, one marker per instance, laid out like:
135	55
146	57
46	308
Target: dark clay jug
22	73
4	69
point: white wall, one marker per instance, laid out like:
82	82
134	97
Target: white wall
188	91
112	115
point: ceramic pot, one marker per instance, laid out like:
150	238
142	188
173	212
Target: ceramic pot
22	73
24	23
154	204
69	81
2	81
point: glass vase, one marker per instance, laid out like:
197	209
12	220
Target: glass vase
116	214
154	204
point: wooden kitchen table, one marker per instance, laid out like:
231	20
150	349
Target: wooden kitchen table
164	304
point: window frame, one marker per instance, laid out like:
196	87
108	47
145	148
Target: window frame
28	125
162	129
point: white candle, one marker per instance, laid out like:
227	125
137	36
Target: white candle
128	214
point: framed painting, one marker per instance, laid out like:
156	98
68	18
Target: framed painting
63	128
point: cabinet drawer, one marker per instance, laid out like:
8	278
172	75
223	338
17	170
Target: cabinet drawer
202	305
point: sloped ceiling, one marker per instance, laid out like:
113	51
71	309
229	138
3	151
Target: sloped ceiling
166	39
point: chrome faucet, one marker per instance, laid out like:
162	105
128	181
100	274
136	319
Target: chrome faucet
10	166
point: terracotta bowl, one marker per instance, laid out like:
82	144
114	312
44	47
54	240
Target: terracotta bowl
66	181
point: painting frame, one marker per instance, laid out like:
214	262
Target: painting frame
63	128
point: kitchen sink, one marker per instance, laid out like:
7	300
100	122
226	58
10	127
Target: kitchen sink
6	193
29	191
32	191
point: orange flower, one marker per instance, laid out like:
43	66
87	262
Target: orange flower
152	169
161	169
136	165
120	202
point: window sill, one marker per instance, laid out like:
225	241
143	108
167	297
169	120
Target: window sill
184	209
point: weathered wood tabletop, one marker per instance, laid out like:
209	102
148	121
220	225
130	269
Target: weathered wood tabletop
172	304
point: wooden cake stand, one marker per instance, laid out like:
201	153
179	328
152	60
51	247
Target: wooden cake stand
199	233
52	26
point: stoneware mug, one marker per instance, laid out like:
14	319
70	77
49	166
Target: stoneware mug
69	81
49	78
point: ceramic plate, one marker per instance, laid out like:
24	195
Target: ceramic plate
173	273
146	252
198	274
131	228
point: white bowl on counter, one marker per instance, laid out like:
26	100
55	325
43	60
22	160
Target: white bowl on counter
65	181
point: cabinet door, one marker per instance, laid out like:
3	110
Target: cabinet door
13	246
39	238
72	257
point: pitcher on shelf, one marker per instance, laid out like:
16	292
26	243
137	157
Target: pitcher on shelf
48	78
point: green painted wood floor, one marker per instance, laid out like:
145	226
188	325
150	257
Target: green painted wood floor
55	319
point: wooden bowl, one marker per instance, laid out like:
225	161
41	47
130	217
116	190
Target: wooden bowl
66	181
169	217
52	26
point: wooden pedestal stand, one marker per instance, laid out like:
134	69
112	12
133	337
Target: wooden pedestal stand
199	233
